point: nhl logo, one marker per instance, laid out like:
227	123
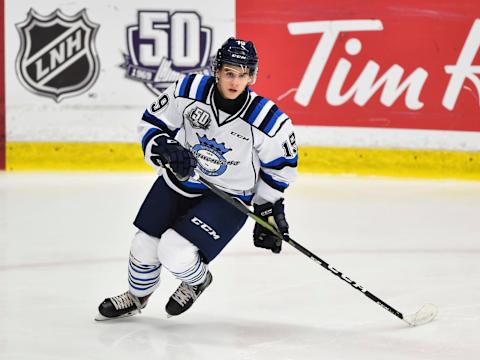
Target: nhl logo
57	56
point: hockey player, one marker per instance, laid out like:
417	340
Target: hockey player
217	127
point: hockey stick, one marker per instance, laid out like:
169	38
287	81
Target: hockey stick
426	314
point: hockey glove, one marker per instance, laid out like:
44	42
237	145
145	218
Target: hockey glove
274	214
168	152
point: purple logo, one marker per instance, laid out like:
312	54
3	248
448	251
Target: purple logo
163	45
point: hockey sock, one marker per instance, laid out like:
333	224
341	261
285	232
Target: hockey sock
143	279
195	274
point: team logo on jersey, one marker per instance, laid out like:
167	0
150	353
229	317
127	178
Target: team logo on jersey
209	154
57	56
199	118
163	45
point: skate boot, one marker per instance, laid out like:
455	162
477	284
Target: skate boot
121	306
184	297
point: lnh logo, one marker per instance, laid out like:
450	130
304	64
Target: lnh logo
367	83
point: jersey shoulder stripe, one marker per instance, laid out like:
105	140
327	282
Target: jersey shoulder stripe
184	85
204	87
255	108
195	87
153	120
264	115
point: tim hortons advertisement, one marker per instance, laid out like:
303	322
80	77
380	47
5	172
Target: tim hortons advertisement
383	64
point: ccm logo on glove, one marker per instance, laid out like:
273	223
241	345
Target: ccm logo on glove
274	214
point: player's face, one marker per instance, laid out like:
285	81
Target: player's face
232	80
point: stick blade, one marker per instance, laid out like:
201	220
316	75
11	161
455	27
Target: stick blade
423	316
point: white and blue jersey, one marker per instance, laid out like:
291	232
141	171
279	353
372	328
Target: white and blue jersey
251	152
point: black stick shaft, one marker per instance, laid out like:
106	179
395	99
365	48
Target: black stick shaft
245	210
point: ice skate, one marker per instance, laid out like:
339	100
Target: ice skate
120	306
184	297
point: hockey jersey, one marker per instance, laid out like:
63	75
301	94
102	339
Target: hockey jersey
251	152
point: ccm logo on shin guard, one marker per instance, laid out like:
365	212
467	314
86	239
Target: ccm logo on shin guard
205	228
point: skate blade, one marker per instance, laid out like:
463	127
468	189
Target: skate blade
100	317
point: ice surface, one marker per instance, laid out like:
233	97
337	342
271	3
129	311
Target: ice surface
64	241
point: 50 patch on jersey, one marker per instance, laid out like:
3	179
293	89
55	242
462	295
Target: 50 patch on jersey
163	45
199	118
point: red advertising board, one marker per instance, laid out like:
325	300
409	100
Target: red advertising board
378	63
2	87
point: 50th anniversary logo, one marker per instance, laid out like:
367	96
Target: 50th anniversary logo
163	45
